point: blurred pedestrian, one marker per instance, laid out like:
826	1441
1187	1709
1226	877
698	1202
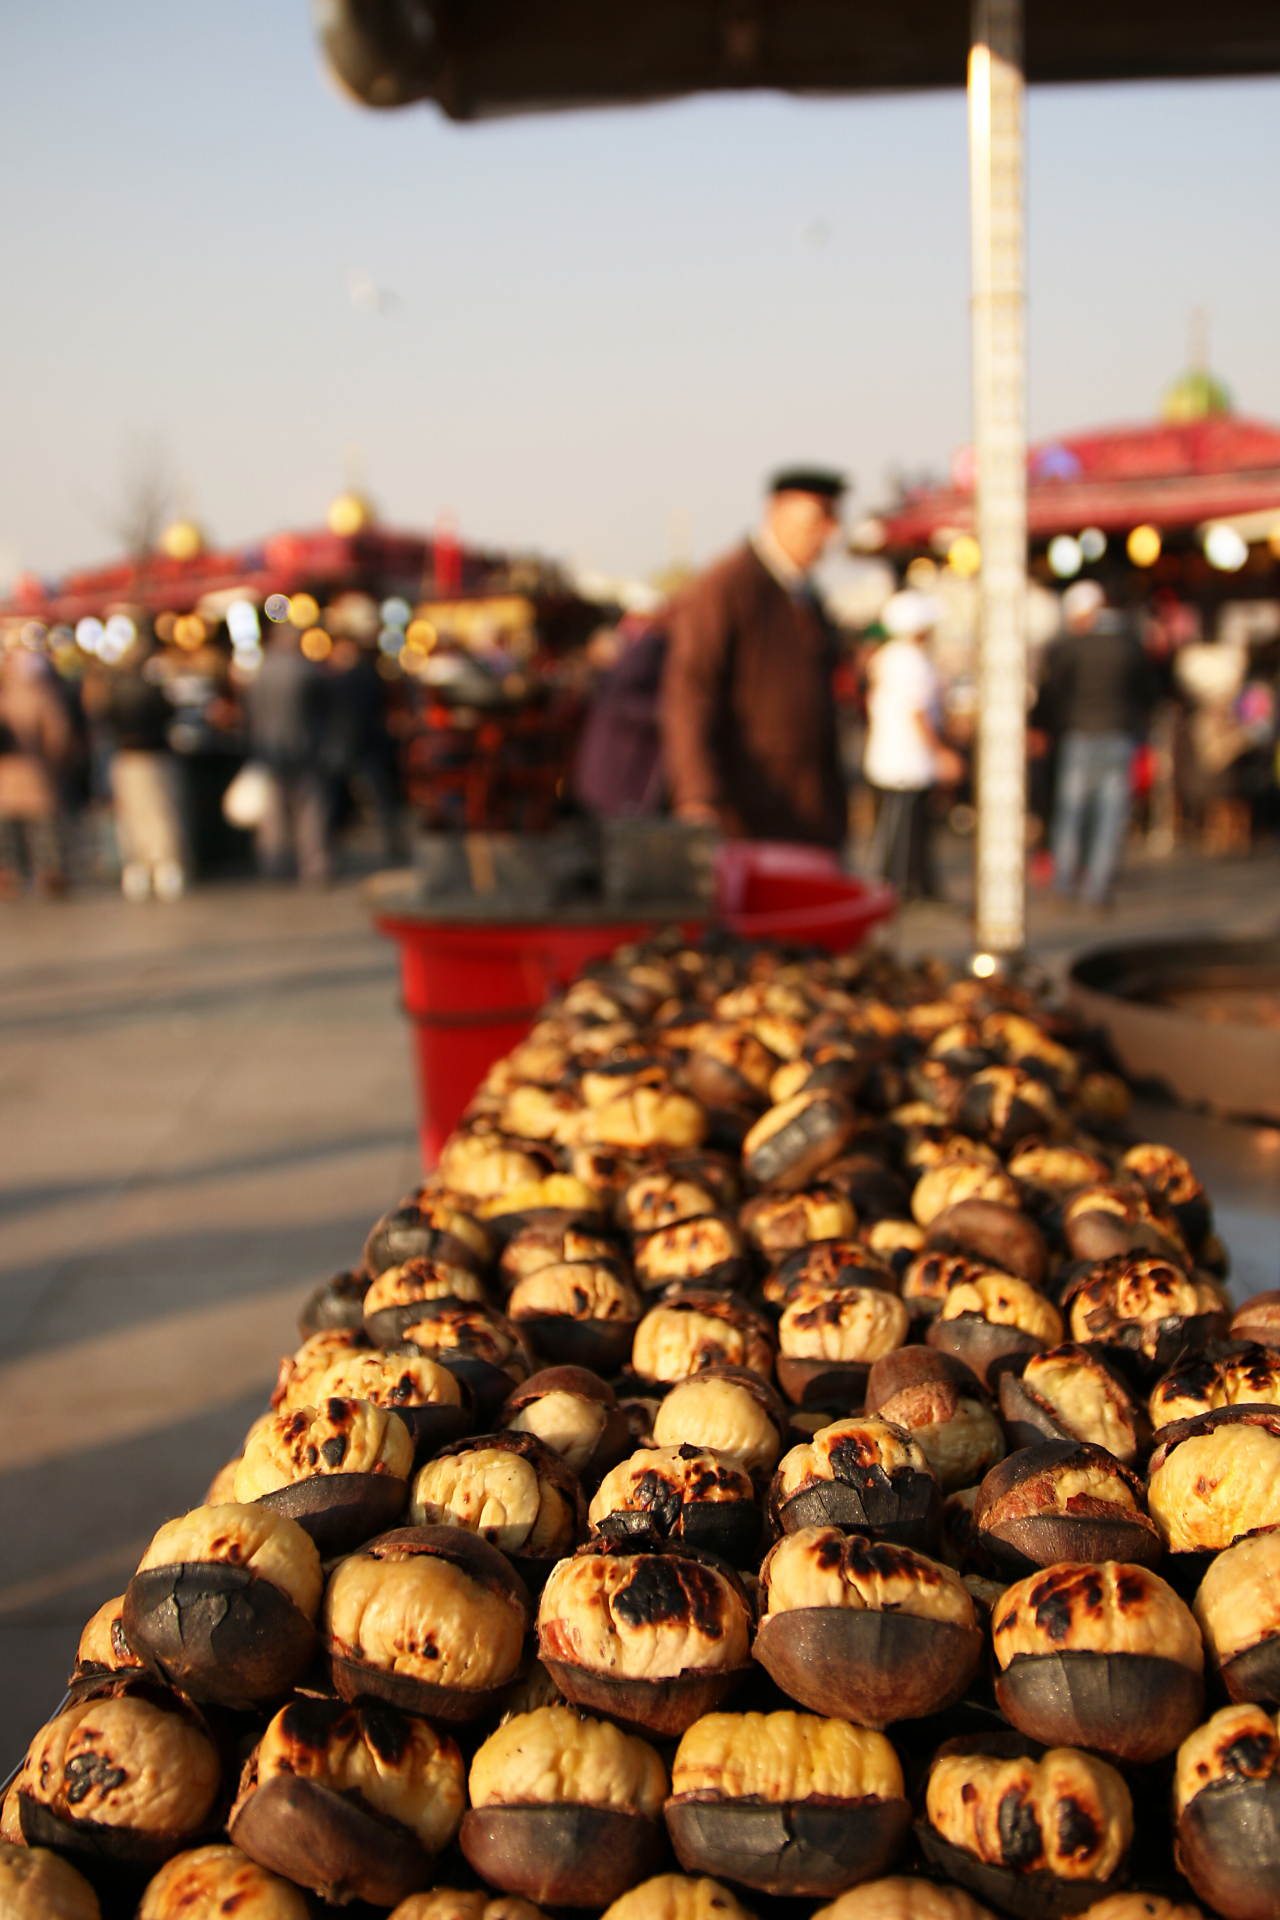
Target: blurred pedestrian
906	756
35	742
146	780
618	766
359	750
1099	692
288	707
748	715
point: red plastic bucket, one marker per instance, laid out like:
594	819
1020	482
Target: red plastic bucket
472	990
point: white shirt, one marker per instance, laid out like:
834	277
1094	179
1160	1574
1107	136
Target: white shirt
903	685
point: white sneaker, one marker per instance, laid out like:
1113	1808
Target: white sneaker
169	881
135	883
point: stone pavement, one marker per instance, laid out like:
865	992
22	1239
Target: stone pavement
204	1109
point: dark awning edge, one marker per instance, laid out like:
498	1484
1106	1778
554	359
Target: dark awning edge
477	58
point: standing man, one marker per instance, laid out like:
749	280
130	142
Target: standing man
288	713
747	712
1099	692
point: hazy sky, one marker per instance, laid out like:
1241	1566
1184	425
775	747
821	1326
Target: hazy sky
606	327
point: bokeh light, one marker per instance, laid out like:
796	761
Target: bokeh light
396	612
1093	544
964	556
182	540
316	644
89	634
1143	546
304	611
276	607
242	624
421	636
1225	549
1066	556
118	636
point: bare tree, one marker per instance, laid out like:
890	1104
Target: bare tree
144	503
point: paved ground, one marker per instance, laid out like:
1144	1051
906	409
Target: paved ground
204	1109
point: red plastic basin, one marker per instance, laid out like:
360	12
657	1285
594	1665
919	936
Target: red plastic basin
472	990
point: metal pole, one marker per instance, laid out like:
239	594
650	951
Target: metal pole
999	374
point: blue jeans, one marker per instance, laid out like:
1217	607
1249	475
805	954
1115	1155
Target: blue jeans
1091	811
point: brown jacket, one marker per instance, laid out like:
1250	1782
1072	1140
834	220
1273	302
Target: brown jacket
748	716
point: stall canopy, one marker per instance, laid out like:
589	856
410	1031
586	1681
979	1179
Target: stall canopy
480	57
1172	476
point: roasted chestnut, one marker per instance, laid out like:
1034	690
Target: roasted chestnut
661	1197
299	1374
826	1263
1229	1374
870	1631
485	1349
399	1296
1047	1174
993	1231
786	1802
433	1403
102	1646
1061	1501
1038	1838
221	1879
1112	1220
581	1313
565	1809
828	1337
651	1635
1070	1393
730	1410
708	1249
992	1321
862	1474
1164	1172
929	1277
728	1066
551	1246
779	1223
1213	1479
431	1619
1105	1657
915	1899
575	1413
1226	1806
790	1144
511	1489
1258	1320
682	1493
351	1801
669	1896
475	1903
1006	1104
940	1403
223	1604
646	1116
428	1228
693	1328
37	1885
1147	1305
340	1470
959	1180
121	1780
335	1304
1238	1609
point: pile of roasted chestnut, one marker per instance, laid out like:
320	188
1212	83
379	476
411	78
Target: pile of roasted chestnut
795	1447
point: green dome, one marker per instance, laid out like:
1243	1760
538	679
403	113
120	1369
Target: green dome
1196	396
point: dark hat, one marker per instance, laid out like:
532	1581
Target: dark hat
817	480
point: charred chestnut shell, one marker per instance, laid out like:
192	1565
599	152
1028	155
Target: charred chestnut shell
548	1465
812	1848
488	1383
729	1528
1020	1530
336	1303
662	1708
903	1507
116	1860
355	1679
790	1144
324	1840
1039	1895
339	1510
986	1347
1029	1418
997	1235
1134	1707
1228	1845
563	1855
615	1440
416	1231
218	1632
868	1666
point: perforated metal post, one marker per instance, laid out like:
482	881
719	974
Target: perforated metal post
996	92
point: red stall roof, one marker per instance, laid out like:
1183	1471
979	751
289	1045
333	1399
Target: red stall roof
1174	476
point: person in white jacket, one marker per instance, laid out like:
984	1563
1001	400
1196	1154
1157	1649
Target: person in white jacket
906	756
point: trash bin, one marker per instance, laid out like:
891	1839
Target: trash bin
474	985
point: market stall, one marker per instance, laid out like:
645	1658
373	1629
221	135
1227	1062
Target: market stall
797	1446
